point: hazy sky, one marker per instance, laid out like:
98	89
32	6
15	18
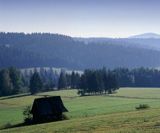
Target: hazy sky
84	18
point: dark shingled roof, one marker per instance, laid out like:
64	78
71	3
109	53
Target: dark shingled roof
48	106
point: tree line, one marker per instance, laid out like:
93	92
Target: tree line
90	82
138	77
14	81
102	80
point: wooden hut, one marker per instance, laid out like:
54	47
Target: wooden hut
48	109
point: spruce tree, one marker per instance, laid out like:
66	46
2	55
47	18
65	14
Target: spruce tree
15	79
36	84
62	82
6	86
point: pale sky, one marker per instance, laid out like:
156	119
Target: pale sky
81	18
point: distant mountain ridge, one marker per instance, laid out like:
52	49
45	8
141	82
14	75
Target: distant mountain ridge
145	43
147	36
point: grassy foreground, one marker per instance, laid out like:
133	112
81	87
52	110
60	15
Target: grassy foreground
112	114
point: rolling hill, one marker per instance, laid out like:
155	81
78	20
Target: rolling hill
53	50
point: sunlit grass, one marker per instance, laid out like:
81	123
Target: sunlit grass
90	113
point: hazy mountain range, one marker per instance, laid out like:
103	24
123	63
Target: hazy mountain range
53	50
146	40
147	36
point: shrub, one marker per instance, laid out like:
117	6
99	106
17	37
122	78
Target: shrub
27	115
142	106
65	117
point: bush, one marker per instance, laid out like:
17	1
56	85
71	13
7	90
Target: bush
142	106
65	117
27	115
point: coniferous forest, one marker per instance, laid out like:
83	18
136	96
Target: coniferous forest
89	82
53	50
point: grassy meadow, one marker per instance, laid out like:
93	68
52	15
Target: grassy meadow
114	113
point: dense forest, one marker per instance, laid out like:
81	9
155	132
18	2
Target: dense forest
53	50
90	82
97	82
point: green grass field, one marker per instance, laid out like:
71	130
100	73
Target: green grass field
108	113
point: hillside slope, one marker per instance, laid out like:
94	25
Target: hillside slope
52	50
112	113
